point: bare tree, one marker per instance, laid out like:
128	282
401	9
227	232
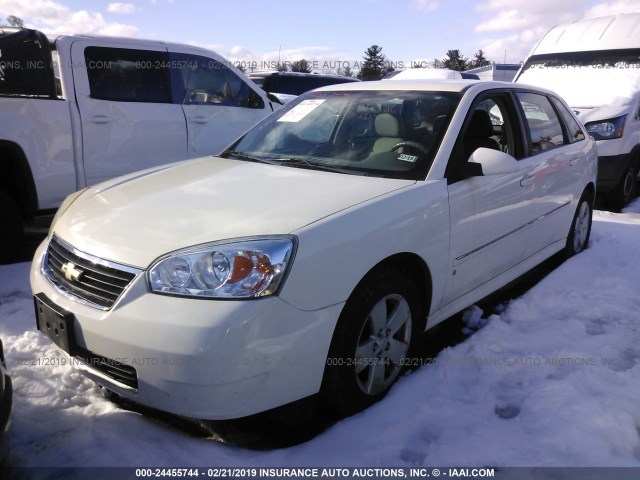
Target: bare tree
15	21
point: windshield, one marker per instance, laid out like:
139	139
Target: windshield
387	133
587	79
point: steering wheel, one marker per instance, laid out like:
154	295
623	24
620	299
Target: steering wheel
411	145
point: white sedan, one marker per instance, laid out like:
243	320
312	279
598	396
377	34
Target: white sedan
309	256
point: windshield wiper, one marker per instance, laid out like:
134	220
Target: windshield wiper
243	156
297	162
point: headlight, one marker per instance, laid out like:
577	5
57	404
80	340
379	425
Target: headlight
233	269
606	129
66	203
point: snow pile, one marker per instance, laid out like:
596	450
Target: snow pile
551	380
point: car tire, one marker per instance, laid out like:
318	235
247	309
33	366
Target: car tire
578	238
11	226
375	335
626	189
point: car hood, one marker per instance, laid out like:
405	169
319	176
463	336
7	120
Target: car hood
135	219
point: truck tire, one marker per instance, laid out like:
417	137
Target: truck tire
626	189
11	228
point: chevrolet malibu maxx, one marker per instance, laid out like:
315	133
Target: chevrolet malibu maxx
310	255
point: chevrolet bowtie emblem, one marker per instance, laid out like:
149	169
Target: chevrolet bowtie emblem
71	272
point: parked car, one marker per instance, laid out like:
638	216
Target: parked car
77	109
6	406
595	65
310	255
288	85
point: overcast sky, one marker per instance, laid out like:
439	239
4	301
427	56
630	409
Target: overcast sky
330	32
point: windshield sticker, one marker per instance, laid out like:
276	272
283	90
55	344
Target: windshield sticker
407	158
301	110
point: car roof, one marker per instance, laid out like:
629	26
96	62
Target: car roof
426	85
142	43
301	74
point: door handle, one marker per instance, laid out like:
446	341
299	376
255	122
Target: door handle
199	119
100	119
573	161
527	181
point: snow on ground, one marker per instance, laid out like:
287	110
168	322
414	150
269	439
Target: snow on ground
553	380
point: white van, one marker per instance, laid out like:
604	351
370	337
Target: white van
595	65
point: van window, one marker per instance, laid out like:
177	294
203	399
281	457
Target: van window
545	130
574	131
204	81
586	79
628	58
127	75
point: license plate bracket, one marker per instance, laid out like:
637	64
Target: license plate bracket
56	323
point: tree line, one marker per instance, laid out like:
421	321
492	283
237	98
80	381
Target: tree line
375	64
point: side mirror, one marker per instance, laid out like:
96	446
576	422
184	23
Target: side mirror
494	162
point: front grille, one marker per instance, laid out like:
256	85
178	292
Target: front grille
99	283
115	370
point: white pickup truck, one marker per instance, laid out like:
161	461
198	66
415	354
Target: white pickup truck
76	110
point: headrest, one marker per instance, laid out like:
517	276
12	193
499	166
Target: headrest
480	125
387	125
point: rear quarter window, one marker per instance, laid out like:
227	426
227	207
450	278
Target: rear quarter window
574	130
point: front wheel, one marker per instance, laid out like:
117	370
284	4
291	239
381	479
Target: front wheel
375	335
580	231
626	188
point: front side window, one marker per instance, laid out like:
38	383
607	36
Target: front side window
545	130
204	81
390	133
127	75
490	124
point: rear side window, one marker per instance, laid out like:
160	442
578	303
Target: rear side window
26	67
574	131
128	75
545	130
204	81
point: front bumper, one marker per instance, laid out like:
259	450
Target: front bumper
210	359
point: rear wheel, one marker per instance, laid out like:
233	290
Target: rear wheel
580	231
374	337
11	227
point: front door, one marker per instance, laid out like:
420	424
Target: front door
219	105
128	120
489	213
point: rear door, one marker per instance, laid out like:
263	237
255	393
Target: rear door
556	159
219	104
124	97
